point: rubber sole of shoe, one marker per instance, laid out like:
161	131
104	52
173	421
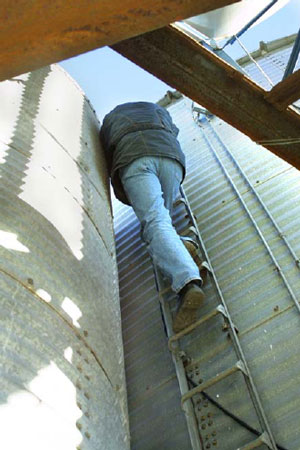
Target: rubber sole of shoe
186	315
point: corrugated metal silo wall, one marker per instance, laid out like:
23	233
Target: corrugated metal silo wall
247	205
155	416
62	376
272	63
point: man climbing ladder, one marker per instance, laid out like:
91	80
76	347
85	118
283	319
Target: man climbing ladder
146	165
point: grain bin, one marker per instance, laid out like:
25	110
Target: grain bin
246	202
62	377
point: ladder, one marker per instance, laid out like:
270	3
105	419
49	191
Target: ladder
179	355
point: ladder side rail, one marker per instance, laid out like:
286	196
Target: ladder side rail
233	334
188	407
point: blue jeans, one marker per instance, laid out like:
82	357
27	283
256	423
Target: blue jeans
152	184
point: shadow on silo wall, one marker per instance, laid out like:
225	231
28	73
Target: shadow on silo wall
62	373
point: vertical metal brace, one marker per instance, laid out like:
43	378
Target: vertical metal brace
280	272
253	190
250	23
293	57
188	408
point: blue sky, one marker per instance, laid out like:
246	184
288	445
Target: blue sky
109	79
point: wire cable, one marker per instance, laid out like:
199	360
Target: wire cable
230	414
255	62
250	23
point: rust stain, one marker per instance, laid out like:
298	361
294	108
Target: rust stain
121	17
86	29
45	32
142	12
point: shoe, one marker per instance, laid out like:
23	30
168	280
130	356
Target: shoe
191	298
192	248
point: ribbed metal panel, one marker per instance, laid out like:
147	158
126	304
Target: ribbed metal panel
273	64
256	268
156	420
62	376
247	205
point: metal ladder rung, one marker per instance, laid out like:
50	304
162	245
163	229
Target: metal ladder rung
218	310
203	266
220	376
193	230
262	439
189	240
180	200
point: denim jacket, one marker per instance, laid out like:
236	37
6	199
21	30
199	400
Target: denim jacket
133	130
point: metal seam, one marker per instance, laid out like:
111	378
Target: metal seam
84	209
71	157
86	212
74	330
222	347
62	147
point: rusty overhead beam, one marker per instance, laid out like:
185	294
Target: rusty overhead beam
187	66
286	92
36	33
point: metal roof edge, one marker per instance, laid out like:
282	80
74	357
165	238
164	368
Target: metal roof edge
169	98
268	47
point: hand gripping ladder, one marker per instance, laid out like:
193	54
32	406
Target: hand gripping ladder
178	355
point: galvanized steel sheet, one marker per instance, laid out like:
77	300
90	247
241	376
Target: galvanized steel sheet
62	374
247	207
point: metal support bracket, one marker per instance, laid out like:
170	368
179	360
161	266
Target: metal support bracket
239	366
262	439
218	310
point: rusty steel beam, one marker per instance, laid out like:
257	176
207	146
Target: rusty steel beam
40	32
187	66
286	92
